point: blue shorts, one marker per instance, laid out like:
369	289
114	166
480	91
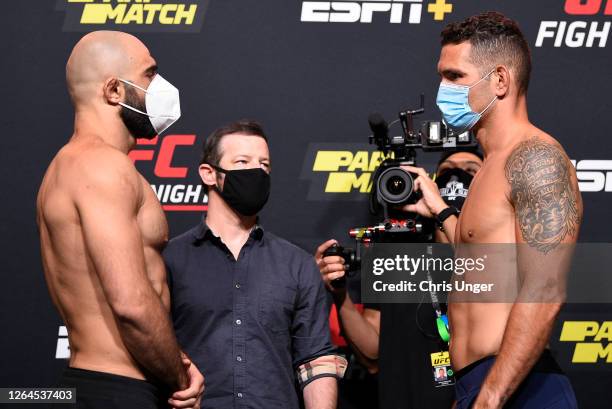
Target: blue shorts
545	387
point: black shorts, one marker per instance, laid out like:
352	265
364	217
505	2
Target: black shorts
101	390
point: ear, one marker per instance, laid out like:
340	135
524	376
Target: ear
208	175
501	81
113	91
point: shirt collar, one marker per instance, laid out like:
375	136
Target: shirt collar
203	232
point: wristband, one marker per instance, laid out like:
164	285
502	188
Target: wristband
445	214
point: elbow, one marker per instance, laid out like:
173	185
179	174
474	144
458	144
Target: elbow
372	368
129	312
555	308
371	355
370	365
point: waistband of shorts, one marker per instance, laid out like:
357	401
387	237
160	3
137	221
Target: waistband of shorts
110	380
545	364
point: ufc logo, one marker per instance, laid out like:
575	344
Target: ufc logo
587	7
163	163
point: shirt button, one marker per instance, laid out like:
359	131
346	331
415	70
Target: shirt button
238	322
239	358
239	394
237	285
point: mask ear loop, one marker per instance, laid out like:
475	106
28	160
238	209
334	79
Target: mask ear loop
482	79
219	170
134	109
137	110
488	106
494	98
130	107
133	85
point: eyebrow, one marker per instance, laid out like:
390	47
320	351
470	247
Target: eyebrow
152	69
249	156
449	71
472	162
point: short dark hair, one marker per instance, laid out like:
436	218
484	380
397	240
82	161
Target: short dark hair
211	154
495	39
447	154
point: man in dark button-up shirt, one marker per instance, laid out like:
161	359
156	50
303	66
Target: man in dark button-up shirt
249	307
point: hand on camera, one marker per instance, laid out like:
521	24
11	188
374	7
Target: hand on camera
430	203
331	267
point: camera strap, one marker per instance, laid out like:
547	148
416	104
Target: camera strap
441	319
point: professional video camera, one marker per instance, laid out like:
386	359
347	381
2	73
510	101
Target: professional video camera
393	187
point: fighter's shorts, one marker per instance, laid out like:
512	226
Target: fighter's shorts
545	387
101	390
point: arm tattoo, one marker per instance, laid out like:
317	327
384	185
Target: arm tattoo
544	198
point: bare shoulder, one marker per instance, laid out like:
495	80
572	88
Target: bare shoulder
102	163
544	192
99	167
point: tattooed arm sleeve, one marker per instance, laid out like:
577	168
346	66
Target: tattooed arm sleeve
545	196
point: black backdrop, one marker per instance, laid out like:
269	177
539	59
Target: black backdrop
312	85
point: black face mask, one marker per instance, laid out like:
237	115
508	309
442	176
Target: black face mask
245	190
139	125
453	185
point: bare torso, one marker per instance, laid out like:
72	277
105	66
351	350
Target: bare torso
487	216
95	342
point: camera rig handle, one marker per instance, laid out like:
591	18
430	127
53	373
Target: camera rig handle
407	121
336	250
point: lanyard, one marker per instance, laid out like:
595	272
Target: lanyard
441	319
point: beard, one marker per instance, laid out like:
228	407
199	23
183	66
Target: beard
138	124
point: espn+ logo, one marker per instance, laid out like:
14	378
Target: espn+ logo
579	33
588	336
346	11
594	175
160	155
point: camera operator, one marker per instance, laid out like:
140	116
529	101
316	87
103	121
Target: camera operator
398	340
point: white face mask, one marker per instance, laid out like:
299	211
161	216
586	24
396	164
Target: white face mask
162	103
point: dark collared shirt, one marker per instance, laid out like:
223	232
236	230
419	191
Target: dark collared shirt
247	323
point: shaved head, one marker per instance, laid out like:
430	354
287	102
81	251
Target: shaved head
103	55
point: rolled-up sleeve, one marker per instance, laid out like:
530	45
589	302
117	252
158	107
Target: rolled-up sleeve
314	356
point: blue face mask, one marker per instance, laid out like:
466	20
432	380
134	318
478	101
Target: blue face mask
453	101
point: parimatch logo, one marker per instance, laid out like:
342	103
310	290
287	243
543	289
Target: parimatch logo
395	11
592	339
134	15
156	159
340	171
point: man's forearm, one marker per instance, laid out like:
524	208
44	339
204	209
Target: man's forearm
149	337
322	393
527	333
356	329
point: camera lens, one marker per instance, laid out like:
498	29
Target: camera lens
396	185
